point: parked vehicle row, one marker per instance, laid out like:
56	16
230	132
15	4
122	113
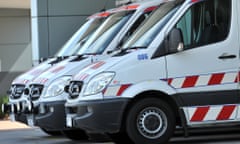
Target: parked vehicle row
47	90
38	99
158	65
20	102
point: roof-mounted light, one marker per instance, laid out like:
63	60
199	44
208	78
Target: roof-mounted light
150	9
100	15
126	8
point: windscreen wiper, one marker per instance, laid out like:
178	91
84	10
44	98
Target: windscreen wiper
83	56
135	47
58	59
125	50
91	53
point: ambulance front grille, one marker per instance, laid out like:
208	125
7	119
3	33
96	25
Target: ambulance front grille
16	91
35	91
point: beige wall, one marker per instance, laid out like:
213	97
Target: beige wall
15	40
15	45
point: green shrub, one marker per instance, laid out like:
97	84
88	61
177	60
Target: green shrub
3	99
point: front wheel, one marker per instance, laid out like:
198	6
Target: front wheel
150	121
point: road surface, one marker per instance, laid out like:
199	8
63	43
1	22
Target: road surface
25	135
36	136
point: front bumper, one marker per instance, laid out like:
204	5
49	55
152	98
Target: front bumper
50	115
97	116
19	117
15	111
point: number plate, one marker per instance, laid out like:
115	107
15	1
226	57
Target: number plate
69	121
12	117
30	120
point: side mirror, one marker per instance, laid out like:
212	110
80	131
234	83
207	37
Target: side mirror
175	41
9	92
42	59
66	89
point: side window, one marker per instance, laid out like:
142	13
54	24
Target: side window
205	23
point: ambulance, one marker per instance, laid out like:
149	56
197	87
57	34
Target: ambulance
180	69
16	99
46	92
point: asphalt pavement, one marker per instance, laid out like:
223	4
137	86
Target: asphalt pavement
17	133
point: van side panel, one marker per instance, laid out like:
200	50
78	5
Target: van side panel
205	75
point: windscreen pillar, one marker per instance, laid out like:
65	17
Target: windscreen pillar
55	21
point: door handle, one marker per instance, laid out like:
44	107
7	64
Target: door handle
227	56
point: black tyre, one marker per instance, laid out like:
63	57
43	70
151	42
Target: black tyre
150	121
75	134
52	132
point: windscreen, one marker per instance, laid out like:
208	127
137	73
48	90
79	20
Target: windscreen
148	31
105	33
72	45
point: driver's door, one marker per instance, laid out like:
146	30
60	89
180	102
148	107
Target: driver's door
205	74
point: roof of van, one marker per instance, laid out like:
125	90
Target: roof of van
140	5
146	4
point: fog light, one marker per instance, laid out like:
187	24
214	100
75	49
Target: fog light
23	106
18	107
3	108
89	109
12	108
41	109
51	109
29	105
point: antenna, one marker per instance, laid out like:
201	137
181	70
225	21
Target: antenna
105	5
124	2
129	2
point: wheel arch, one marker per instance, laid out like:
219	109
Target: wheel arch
153	94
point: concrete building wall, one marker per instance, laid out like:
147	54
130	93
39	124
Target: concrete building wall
29	34
15	39
15	45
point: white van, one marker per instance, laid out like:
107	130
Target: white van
180	69
47	90
16	99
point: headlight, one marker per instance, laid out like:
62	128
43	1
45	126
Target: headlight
98	83
57	87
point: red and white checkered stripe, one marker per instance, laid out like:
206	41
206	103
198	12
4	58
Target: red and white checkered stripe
81	77
36	71
212	113
41	80
57	69
204	80
98	65
20	81
116	90
25	81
